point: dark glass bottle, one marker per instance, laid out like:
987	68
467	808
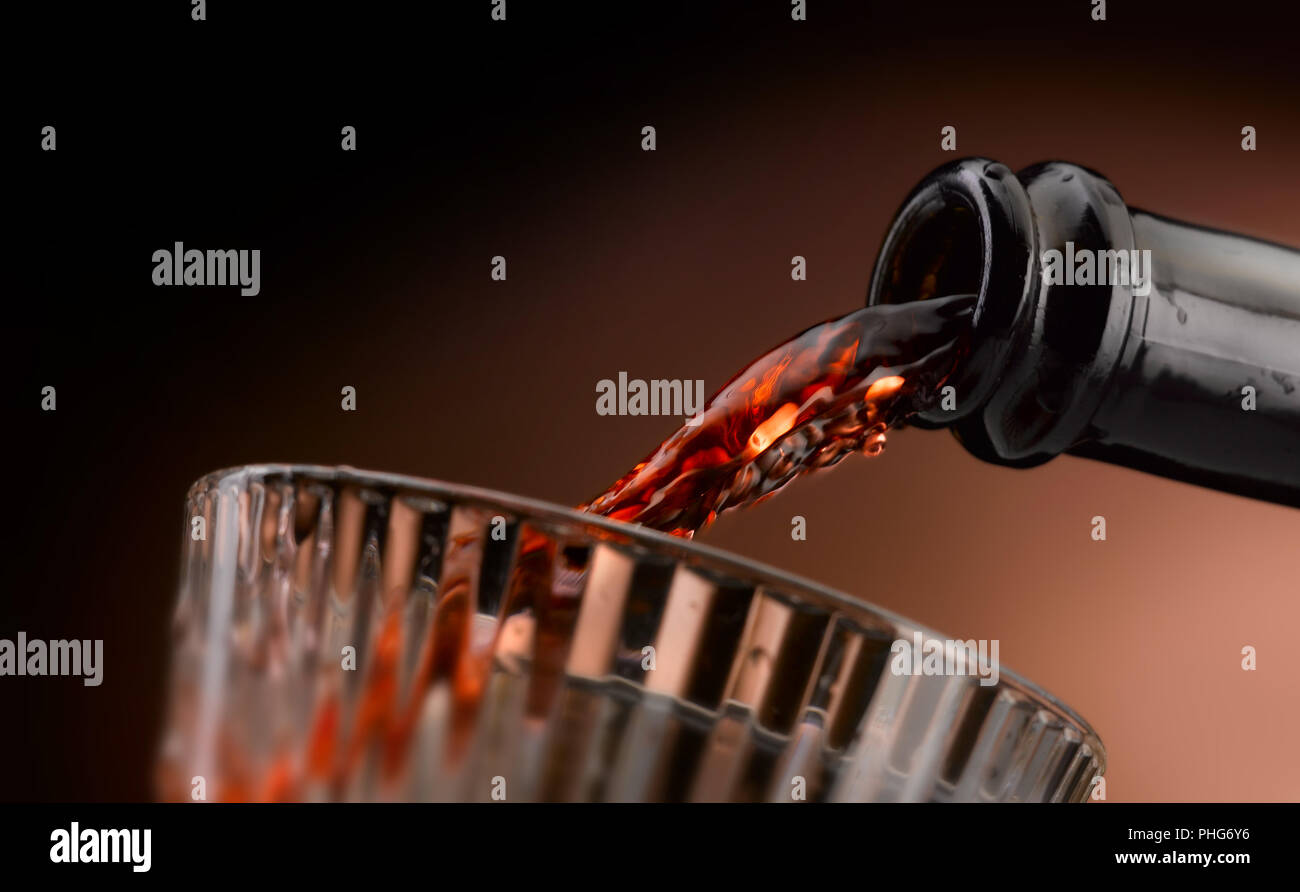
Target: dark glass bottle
1157	381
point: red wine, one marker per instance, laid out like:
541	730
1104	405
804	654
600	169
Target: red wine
834	389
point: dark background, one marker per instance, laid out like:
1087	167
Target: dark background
522	138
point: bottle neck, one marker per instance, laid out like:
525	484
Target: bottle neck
1207	389
1105	332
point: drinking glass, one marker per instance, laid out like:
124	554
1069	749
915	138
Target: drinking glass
343	635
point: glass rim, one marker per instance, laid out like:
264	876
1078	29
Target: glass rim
687	550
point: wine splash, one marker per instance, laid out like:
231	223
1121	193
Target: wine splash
834	389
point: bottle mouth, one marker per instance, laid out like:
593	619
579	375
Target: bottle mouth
966	228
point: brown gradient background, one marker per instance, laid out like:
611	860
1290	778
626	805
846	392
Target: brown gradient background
774	140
